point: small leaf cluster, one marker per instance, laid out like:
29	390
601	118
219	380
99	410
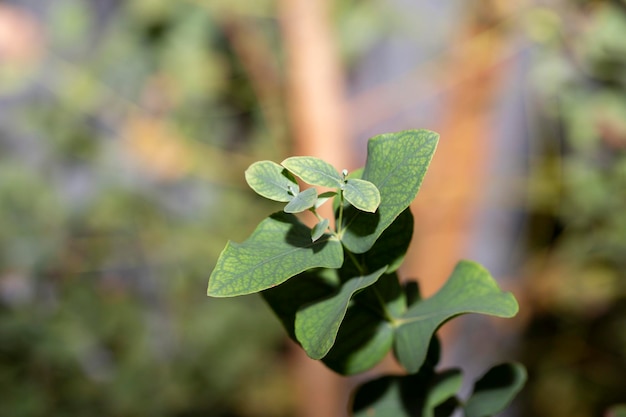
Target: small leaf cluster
335	286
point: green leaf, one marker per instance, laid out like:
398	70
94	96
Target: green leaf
495	390
416	395
396	165
313	171
319	229
363	340
324	197
305	288
271	181
470	289
302	201
366	333
317	324
278	249
443	387
362	194
392	246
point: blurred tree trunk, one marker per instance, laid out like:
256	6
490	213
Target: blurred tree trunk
452	189
315	106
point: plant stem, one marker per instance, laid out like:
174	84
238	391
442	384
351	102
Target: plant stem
340	218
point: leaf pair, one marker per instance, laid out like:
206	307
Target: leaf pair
277	183
360	193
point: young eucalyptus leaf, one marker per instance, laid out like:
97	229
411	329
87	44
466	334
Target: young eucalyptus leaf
271	181
278	249
362	194
324	197
319	229
302	201
313	171
470	289
318	323
495	390
396	165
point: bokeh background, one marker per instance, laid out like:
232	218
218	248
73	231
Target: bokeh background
125	128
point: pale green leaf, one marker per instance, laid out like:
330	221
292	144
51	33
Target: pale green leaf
495	390
302	201
278	249
324	197
396	165
319	229
313	171
317	324
362	194
470	289
271	181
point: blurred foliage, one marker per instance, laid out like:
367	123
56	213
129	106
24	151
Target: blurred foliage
575	344
118	149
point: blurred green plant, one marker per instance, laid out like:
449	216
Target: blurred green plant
115	163
336	290
578	211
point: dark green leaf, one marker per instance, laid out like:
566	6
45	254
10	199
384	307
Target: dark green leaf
396	165
416	395
391	246
495	390
470	289
278	249
317	324
287	298
366	333
363	340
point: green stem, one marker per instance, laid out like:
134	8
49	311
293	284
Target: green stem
340	218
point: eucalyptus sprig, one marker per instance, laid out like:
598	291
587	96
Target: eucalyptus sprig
335	287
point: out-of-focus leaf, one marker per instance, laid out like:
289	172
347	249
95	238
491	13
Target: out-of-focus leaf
495	390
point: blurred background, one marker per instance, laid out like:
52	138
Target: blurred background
125	128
